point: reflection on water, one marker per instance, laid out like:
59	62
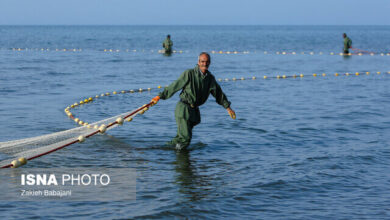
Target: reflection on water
167	54
192	185
347	56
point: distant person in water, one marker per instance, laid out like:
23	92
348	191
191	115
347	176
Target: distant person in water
196	85
347	43
167	44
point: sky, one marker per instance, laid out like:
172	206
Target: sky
190	12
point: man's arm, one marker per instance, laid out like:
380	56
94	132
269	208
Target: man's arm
221	99
175	86
219	96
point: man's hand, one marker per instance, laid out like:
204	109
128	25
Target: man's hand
155	100
231	113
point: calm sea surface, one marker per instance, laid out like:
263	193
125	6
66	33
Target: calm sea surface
304	148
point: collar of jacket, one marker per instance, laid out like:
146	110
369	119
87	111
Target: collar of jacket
197	69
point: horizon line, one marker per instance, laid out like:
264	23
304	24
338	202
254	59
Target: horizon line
194	24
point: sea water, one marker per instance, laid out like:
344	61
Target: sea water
300	148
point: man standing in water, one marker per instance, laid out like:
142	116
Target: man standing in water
196	85
347	43
167	44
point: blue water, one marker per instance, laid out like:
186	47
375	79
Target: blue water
304	148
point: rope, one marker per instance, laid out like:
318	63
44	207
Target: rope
297	75
358	52
141	110
90	99
100	129
361	51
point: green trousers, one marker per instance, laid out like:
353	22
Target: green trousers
167	50
186	119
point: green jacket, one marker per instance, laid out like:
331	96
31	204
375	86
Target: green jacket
196	88
167	44
347	43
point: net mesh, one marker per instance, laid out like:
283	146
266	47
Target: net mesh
32	147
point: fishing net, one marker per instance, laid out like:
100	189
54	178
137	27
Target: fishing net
31	148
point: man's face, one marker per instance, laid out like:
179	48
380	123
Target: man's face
204	63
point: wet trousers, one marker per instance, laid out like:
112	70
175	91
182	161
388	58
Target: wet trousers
187	118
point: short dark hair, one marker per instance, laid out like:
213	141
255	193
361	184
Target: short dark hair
168	36
205	53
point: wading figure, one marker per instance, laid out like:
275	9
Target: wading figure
196	85
167	44
347	43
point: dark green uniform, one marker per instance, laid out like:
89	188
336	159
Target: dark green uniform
196	89
167	44
347	44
